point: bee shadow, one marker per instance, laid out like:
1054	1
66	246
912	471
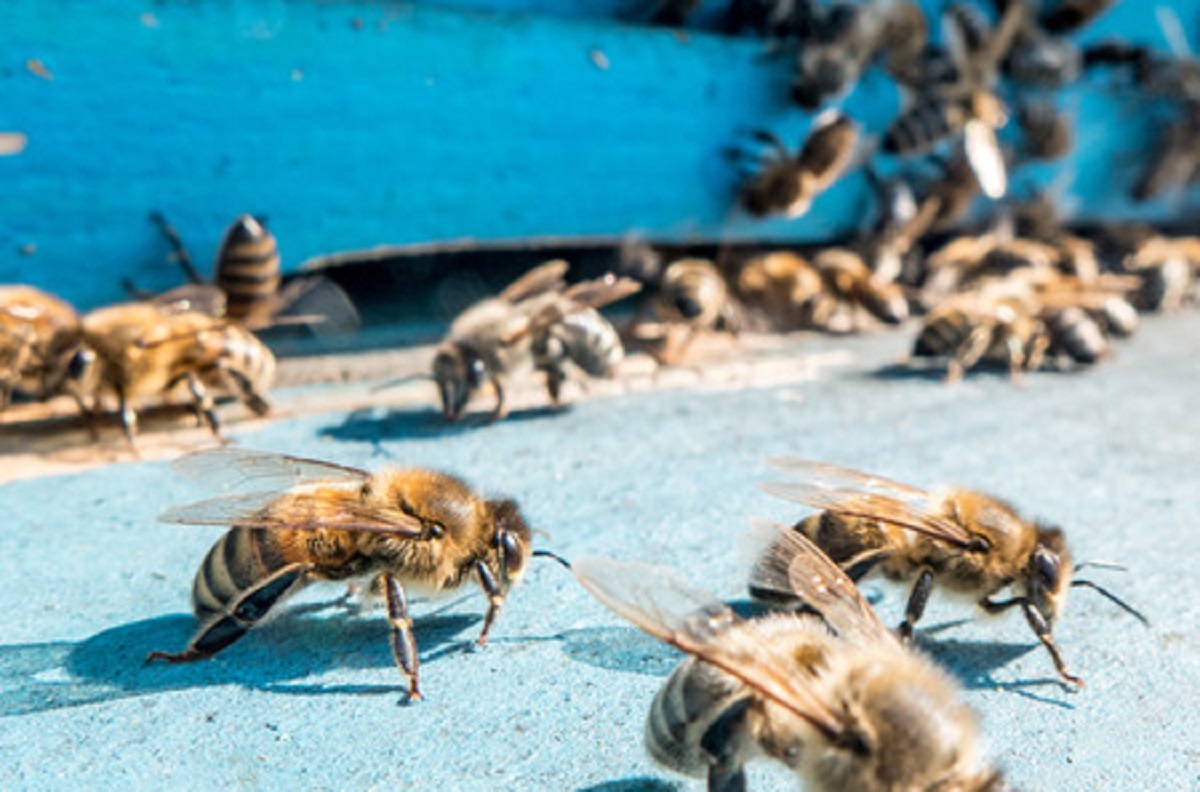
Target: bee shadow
974	664
373	425
638	784
624	649
297	645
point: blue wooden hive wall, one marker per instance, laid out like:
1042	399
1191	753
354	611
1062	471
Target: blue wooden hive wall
358	124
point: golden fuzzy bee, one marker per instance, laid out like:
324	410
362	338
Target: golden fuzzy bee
786	184
970	329
850	288
692	298
143	351
1166	267
964	541
409	529
833	697
781	286
36	330
496	337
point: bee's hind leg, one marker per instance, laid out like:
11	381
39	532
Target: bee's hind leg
245	612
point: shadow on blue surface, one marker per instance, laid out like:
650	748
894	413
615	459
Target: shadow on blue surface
374	425
111	664
639	784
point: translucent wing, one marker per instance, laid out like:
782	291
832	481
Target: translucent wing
197	297
543	278
303	511
792	563
224	469
852	492
985	157
318	303
657	601
588	294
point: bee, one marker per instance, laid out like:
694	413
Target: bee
409	528
1175	160
1041	60
833	697
1067	16
976	328
849	288
145	350
842	40
781	285
962	540
36	330
889	249
787	184
693	297
1166	268
584	338
495	338
967	109
247	285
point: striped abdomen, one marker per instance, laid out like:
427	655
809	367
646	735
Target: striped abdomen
240	559
943	333
248	271
921	127
240	354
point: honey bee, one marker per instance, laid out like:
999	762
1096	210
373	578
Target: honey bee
787	184
1041	60
955	191
145	350
842	39
248	283
781	285
833	697
36	330
496	337
1048	133
410	529
965	541
849	288
903	221
584	338
975	328
967	109
1166	267
692	298
1175	160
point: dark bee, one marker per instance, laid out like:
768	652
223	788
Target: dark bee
1067	16
1048	133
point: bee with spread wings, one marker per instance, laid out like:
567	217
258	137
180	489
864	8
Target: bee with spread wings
960	539
314	521
836	699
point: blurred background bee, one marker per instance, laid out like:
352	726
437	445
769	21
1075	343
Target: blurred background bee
786	184
144	351
967	110
36	331
964	541
408	528
830	695
496	338
249	285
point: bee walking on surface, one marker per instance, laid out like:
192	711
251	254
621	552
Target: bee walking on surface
964	541
409	529
145	350
832	696
36	330
788	183
526	325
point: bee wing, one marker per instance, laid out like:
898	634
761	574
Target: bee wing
828	149
588	294
656	600
543	278
792	562
229	468
251	510
852	492
985	157
320	304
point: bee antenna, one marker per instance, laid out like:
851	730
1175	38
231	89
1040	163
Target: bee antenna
1135	613
400	381
548	554
1102	565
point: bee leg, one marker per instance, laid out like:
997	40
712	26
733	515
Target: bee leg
554	382
404	644
1042	630
245	612
500	410
205	409
495	596
256	401
916	604
129	420
721	742
968	354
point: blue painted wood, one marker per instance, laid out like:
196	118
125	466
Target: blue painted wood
358	124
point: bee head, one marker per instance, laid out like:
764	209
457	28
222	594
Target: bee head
1049	573
510	543
459	372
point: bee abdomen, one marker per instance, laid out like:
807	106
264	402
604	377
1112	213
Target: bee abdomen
941	334
239	559
920	127
248	268
694	697
1078	335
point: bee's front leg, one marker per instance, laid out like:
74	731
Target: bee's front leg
404	644
495	596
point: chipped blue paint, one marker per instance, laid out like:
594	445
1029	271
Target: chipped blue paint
358	124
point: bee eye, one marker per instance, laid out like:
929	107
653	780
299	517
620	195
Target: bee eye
509	550
1046	567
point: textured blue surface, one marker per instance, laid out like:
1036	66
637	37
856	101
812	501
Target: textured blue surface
557	701
356	124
